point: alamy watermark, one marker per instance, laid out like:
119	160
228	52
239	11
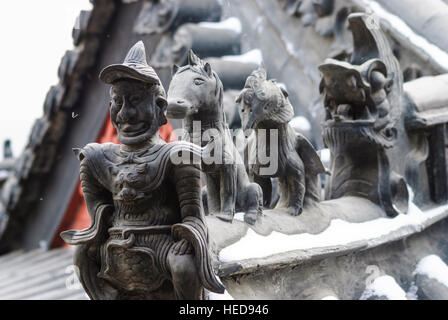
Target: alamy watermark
221	147
374	272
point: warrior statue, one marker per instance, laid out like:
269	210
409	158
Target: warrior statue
148	238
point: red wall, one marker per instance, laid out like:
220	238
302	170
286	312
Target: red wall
76	216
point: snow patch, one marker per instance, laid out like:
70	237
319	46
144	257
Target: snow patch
384	286
339	233
4	174
300	123
259	24
330	298
239	216
325	155
290	47
412	292
433	267
231	23
218	296
400	26
253	56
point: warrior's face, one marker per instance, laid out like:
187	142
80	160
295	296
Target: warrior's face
136	110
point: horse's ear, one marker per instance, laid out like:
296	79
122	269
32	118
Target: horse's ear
175	68
208	69
192	58
260	73
239	98
263	73
284	91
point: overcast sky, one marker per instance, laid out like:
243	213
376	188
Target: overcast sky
34	36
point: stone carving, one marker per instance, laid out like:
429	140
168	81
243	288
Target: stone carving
265	105
317	13
328	18
204	40
148	238
233	74
161	15
196	94
425	121
412	72
362	100
342	47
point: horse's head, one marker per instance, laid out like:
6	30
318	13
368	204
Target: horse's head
195	89
263	102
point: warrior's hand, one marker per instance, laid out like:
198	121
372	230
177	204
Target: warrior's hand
182	247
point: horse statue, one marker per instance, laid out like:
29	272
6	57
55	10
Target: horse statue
195	95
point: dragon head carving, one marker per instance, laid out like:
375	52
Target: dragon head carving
363	107
356	96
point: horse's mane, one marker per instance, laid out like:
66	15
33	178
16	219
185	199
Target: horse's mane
255	82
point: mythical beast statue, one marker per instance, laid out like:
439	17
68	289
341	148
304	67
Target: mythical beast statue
363	103
264	106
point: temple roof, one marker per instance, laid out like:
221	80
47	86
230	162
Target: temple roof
39	275
26	177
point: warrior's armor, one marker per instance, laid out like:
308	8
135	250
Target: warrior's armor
134	223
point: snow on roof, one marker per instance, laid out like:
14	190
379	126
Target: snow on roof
231	23
339	233
252	56
384	286
330	298
217	296
433	267
301	123
325	155
4	174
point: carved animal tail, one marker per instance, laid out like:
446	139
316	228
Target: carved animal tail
194	230
313	167
260	199
312	188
